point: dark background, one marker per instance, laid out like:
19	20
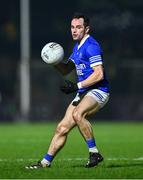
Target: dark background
117	25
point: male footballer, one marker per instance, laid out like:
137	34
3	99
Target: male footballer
92	92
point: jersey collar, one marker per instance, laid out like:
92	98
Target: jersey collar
83	40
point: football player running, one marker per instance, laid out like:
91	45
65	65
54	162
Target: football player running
92	92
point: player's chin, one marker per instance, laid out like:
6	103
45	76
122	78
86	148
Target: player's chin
75	38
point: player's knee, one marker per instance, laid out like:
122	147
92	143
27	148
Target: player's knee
77	116
61	129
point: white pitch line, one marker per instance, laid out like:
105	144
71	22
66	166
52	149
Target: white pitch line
73	159
108	159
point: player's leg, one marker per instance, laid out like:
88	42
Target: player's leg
61	132
58	140
87	106
90	104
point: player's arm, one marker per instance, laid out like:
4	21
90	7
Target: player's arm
95	77
94	54
65	68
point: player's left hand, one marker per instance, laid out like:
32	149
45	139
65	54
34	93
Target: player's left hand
69	87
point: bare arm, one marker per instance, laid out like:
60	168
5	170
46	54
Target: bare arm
95	77
65	68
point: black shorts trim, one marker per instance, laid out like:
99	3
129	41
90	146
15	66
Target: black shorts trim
80	95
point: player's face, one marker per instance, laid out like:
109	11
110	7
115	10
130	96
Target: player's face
78	30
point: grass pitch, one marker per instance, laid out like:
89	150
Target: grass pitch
121	145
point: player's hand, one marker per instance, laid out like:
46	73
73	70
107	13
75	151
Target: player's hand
69	87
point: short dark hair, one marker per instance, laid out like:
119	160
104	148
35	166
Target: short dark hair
78	15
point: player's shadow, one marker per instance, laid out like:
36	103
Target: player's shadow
123	165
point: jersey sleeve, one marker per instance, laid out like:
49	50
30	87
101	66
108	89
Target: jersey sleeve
71	57
94	55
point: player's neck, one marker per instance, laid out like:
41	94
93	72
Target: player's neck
81	42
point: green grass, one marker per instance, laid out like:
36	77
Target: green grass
120	144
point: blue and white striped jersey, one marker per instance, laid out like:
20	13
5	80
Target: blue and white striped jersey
85	56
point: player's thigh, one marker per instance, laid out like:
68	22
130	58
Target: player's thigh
100	97
68	120
87	106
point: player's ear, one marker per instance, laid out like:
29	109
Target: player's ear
87	29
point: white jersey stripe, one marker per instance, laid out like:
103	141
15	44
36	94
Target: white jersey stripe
95	60
95	64
95	57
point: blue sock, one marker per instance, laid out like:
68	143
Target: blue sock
49	157
91	143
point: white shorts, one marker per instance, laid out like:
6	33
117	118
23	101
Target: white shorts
100	96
